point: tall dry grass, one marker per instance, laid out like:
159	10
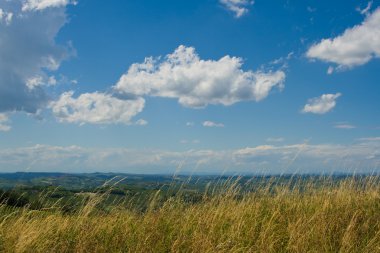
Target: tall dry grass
292	217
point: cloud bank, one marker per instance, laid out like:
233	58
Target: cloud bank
361	156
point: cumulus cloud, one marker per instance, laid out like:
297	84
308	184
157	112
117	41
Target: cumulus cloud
4	127
197	83
38	5
28	53
361	156
322	104
182	75
212	124
96	108
238	7
356	46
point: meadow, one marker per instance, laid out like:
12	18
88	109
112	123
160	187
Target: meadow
295	214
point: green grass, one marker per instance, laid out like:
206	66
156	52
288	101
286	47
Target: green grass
297	216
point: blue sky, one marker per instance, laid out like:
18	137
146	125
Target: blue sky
197	86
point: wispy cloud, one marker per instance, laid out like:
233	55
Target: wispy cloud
212	124
282	61
238	7
141	122
366	10
311	9
6	17
375	139
344	125
38	5
184	141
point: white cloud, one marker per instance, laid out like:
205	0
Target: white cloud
322	104
359	157
96	108
38	5
33	82
330	70
28	51
39	81
356	46
182	75
190	124
212	124
344	126
362	156
5	17
283	60
197	83
4	127
366	10
238	7
141	122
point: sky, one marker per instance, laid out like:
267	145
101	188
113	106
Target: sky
200	86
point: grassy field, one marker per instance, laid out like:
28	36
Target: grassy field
296	215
